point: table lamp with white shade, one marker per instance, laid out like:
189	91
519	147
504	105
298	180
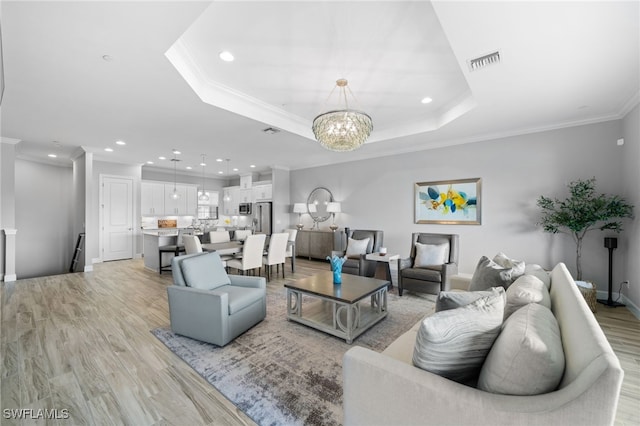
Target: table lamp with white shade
299	208
333	208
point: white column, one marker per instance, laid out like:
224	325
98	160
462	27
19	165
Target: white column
10	255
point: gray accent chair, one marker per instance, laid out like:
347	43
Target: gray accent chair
207	304
359	265
432	279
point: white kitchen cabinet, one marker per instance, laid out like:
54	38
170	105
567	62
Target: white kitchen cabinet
245	195
185	205
192	201
156	199
262	192
152	198
175	207
230	200
246	181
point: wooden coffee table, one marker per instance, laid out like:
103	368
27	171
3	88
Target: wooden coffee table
340	310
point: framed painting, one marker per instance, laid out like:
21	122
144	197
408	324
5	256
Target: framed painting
453	202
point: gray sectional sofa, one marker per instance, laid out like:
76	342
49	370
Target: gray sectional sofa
387	389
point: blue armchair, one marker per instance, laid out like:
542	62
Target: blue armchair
207	304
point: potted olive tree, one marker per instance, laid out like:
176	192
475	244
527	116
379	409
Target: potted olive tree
581	212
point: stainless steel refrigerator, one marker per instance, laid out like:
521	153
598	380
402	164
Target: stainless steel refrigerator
262	218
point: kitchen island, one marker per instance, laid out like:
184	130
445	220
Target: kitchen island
155	238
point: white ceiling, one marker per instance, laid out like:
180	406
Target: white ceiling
563	64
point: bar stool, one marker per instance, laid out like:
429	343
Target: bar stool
176	249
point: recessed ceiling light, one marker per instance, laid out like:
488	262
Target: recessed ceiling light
219	160
121	143
226	56
189	167
220	172
52	155
253	166
109	149
162	158
235	169
426	100
149	162
175	151
203	164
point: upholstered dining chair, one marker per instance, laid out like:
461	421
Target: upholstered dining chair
276	253
293	233
242	234
360	242
433	260
192	244
219	237
252	252
208	305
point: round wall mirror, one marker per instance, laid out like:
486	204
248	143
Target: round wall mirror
317	204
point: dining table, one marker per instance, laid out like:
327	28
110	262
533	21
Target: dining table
226	248
235	247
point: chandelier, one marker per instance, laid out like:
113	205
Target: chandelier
345	129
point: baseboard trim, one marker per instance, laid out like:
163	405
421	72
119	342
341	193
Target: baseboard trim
9	278
88	268
632	307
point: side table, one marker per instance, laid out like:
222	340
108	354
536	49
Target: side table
384	261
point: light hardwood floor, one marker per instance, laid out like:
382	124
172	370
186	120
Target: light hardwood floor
81	342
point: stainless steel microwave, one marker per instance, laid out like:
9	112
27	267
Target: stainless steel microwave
244	208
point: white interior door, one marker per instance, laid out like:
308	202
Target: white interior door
117	218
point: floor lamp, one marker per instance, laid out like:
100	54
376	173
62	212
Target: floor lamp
610	243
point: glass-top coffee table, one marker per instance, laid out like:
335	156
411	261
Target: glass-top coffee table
341	310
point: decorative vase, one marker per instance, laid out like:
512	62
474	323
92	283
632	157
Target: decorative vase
336	267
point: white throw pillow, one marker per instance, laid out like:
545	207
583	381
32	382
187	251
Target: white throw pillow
357	247
489	274
517	266
431	255
526	289
454	343
527	358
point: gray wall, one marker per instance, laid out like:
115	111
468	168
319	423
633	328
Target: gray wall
44	242
631	169
515	171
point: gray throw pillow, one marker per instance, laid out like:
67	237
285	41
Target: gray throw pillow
489	274
526	289
456	299
505	261
431	255
454	343
527	358
204	272
538	271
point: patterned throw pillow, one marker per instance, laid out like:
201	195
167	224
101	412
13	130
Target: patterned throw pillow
454	343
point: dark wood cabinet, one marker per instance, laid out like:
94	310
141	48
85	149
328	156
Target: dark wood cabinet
317	244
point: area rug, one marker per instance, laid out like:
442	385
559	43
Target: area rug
284	373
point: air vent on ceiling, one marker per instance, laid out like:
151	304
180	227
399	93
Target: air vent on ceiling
271	130
485	60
